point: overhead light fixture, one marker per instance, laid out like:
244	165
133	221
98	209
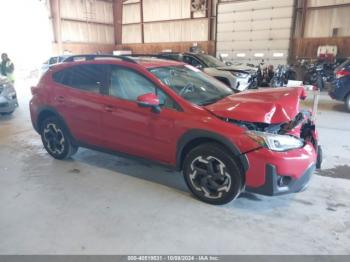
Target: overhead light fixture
259	55
278	55
223	55
241	55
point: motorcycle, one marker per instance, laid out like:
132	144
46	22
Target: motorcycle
315	75
282	75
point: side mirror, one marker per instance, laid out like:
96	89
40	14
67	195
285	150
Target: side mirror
228	63
149	100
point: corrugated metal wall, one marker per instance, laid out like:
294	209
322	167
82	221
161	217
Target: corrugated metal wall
163	21
87	21
249	31
320	23
327	22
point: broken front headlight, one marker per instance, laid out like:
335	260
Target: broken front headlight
275	142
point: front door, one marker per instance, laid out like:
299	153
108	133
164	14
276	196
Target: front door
133	129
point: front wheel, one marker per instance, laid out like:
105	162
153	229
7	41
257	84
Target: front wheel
7	113
212	175
347	103
56	139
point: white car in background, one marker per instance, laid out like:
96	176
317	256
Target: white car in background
52	61
38	71
8	97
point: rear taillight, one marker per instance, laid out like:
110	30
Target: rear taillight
342	73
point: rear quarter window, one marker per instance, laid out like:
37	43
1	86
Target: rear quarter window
91	78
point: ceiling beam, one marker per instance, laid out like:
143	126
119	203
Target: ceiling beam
118	21
303	18
142	23
325	6
56	24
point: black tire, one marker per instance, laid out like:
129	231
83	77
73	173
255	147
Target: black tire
7	113
319	157
347	103
221	183
56	139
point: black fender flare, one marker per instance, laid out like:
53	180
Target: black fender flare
53	111
45	109
194	134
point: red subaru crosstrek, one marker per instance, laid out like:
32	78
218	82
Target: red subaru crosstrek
172	113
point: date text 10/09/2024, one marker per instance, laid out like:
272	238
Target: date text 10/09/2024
173	258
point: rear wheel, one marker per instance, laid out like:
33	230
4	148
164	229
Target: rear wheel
56	139
212	175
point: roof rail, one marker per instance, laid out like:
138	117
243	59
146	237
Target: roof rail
93	57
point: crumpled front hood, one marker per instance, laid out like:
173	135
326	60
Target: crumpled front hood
270	106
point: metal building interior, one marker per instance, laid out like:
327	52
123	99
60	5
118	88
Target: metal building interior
97	203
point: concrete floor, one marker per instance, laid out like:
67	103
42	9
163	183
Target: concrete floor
102	204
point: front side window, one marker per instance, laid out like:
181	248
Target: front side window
128	84
192	84
89	78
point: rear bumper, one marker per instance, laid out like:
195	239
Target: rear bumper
273	187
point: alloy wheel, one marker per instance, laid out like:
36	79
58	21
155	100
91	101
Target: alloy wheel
54	138
209	176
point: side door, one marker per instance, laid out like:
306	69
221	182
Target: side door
137	130
77	98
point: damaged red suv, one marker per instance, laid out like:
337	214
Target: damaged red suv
173	114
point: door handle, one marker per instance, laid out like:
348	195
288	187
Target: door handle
60	99
109	109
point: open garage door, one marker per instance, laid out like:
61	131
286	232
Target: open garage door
252	31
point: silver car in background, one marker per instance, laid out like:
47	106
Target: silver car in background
8	97
243	76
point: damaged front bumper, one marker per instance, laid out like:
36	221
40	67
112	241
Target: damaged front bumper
278	185
277	173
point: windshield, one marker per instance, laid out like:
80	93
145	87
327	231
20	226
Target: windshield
211	61
344	64
191	84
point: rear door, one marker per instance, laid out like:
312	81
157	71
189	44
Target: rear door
78	100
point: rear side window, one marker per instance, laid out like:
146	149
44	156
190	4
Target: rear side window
191	61
91	78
